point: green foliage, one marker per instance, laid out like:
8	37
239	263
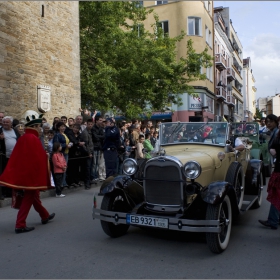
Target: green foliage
124	66
258	114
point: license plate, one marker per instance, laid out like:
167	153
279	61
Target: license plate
146	221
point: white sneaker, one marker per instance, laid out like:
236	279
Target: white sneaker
60	195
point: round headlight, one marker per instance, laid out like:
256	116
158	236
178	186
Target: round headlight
129	166
192	169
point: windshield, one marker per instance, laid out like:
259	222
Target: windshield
246	129
214	133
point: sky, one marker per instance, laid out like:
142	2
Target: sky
257	24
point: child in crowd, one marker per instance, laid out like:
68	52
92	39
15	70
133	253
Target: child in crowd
59	166
128	148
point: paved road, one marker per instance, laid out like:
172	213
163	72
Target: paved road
74	246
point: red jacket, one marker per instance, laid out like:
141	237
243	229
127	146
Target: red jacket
58	163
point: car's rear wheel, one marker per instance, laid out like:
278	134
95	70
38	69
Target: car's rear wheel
117	202
218	242
235	178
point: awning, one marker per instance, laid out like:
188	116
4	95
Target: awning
154	116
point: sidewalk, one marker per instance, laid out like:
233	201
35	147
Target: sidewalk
49	193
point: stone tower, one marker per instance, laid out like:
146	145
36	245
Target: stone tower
39	45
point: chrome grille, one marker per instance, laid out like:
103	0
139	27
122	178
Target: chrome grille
163	183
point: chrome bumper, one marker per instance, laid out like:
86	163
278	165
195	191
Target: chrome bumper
174	223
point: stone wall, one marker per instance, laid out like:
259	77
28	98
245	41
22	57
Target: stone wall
38	49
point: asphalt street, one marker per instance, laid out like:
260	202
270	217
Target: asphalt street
73	245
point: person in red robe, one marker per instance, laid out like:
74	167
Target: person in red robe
28	170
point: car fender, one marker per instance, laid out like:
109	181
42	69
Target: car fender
113	182
215	192
256	166
132	189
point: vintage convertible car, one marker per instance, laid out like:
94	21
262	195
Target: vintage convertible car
195	182
259	148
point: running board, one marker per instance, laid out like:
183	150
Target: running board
248	201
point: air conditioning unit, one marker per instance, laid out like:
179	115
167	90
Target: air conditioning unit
218	118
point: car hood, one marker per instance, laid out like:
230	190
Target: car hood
205	156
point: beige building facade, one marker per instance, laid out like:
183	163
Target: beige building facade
195	18
235	86
249	90
40	58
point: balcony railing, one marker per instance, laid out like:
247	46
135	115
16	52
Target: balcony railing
230	74
220	62
230	100
221	92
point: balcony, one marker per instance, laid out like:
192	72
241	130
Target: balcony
230	74
221	93
230	100
220	62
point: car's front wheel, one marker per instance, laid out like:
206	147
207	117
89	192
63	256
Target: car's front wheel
116	202
218	242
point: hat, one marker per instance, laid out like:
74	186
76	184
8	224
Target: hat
110	120
31	117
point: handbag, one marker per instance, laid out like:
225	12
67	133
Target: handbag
17	197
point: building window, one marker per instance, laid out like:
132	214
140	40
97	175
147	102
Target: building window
207	5
194	26
139	4
208	37
209	73
161	2
165	27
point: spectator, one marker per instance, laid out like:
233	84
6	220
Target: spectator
8	140
128	148
148	127
85	114
62	138
148	146
20	129
59	168
97	139
139	148
110	147
55	121
154	138
71	122
2	115
67	129
15	123
79	120
44	120
87	138
77	156
102	169
262	127
45	135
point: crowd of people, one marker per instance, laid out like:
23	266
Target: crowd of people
83	150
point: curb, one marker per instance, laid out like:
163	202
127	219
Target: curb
48	193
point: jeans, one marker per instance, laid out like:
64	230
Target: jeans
95	164
273	216
64	174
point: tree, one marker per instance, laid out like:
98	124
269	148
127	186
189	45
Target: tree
258	114
124	66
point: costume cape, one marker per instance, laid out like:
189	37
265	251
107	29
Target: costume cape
28	166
